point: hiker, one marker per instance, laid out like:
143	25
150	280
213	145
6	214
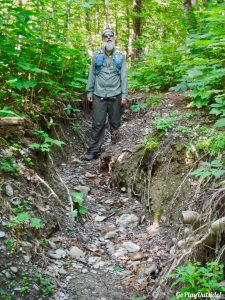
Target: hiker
107	91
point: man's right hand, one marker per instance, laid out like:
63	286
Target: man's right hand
90	99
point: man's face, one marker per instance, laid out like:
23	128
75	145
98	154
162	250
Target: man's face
108	41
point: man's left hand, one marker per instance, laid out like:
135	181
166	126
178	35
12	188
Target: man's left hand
123	101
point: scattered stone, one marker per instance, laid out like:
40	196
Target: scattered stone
14	269
89	175
99	218
52	244
84	271
137	256
9	190
130	220
92	247
123	189
27	258
62	271
120	253
131	247
99	264
15	201
61	252
54	255
2	234
110	235
58	254
82	189
93	259
76	253
7	275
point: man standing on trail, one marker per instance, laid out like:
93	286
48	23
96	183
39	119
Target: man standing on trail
107	90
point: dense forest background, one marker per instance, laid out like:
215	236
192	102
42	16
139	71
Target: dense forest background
46	45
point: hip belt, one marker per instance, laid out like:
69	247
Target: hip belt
117	97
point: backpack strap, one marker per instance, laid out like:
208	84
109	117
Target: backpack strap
118	59
99	60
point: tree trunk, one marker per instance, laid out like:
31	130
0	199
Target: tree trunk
186	7
107	22
137	7
88	26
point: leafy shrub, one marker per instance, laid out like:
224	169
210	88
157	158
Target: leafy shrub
213	145
215	168
137	107
164	124
8	165
79	208
203	58
194	278
47	143
157	70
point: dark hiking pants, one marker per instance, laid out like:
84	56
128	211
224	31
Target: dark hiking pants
100	110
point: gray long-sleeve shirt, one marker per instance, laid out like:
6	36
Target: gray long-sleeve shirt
108	82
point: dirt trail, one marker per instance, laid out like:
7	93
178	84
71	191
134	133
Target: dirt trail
118	258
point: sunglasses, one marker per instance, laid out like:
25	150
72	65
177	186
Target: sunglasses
108	35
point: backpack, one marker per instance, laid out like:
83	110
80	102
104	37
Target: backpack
117	60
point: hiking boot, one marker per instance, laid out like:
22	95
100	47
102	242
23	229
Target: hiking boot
90	156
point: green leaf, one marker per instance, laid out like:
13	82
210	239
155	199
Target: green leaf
36	223
82	210
7	112
22	217
117	268
220	123
77	197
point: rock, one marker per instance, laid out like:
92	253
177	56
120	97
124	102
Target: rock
99	264
61	252
130	220
2	234
123	189
93	259
52	244
99	218
131	247
9	190
15	201
84	271
119	253
62	271
14	269
76	253
7	275
137	256
110	235
92	247
27	258
82	189
53	255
